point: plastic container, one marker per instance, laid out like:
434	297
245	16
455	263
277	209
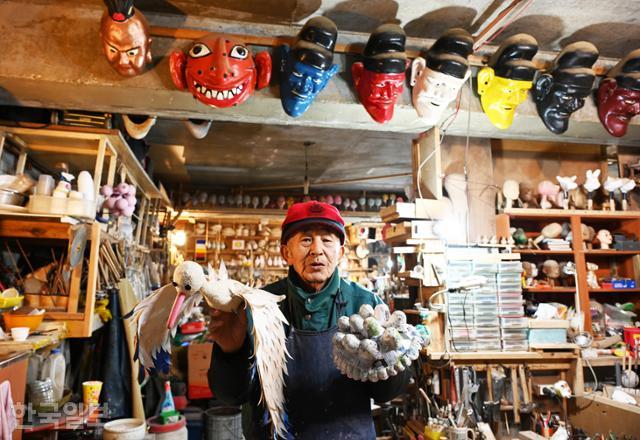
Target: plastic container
515	346
510	266
488	344
125	429
460	321
195	423
463	333
515	333
54	368
223	423
487	321
12	320
81	208
514	322
488	333
40	204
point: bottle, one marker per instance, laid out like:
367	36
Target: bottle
54	368
168	412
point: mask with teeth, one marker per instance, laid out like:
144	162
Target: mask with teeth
307	67
219	71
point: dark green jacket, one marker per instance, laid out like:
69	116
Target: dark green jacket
230	375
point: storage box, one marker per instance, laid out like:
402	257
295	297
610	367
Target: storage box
199	360
547	335
39	204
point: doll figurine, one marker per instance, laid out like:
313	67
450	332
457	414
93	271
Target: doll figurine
591	184
563	90
510	191
567	184
604	238
592	278
619	95
551	269
530	272
611	185
626	186
125	38
307	67
505	82
528	196
379	79
437	79
547	190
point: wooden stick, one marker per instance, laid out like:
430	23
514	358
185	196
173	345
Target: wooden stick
523	384
516	397
490	383
15	264
24	255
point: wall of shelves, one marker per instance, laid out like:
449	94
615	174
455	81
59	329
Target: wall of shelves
623	263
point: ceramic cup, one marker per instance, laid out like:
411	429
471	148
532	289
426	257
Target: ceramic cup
461	434
91	392
20	333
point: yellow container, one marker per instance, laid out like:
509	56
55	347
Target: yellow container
15	301
14	320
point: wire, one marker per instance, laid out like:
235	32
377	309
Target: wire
499	31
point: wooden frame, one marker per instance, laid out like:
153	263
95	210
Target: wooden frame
102	144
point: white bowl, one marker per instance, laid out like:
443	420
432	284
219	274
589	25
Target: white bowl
20	333
125	429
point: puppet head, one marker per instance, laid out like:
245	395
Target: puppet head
619	94
563	90
379	79
219	71
437	80
307	67
125	37
504	84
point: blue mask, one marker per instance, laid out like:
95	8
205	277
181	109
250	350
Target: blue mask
300	83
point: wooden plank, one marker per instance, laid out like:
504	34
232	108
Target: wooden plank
581	271
62	149
16	374
33	229
516	397
64	316
566	213
597	414
92	281
426	162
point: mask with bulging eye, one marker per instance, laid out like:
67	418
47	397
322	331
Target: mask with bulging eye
563	90
125	38
619	95
219	71
307	66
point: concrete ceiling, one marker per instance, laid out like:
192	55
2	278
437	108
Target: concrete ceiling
43	65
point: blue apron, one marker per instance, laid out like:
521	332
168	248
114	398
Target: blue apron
322	403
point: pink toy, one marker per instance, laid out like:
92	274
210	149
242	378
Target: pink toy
547	190
121	200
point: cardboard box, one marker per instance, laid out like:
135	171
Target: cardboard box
199	359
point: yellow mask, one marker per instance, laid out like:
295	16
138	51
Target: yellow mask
500	96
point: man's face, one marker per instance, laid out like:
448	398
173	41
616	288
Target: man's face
300	83
126	44
500	97
557	102
433	92
314	254
616	106
378	92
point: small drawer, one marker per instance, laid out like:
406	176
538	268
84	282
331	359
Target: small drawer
514	333
488	332
514	322
487	321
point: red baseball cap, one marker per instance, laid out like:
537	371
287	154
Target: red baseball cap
313	212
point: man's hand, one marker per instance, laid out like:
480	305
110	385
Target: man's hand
228	329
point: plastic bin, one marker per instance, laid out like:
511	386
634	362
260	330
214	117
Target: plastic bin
460	321
515	333
39	204
487	321
510	266
515	346
514	322
488	333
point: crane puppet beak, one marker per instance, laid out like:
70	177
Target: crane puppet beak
175	310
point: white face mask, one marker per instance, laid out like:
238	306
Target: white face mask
433	91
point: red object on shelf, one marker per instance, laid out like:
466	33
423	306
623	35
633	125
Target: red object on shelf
606	286
632	337
192	327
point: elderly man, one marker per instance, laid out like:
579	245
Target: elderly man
320	402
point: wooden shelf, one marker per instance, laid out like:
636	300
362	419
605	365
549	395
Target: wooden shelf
602	361
614	290
526	213
541	252
550	290
609	252
231	213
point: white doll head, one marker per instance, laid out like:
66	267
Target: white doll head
567	183
604	238
592	180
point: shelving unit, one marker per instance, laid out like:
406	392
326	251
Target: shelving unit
113	158
625	263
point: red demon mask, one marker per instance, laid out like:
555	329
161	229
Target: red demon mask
219	71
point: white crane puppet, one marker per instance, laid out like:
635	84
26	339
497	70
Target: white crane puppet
156	319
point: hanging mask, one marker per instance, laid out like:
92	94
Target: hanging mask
562	91
437	80
219	71
307	67
379	79
505	83
619	95
125	37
